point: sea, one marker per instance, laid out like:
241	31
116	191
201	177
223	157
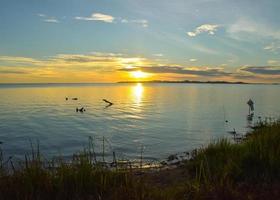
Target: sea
152	120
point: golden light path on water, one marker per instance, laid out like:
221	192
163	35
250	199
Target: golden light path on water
138	91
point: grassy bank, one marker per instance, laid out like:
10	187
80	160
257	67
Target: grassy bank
222	170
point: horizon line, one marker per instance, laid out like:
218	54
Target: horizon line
153	81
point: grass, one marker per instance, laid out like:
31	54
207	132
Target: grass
255	159
222	170
236	170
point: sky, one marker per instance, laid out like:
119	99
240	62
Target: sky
54	41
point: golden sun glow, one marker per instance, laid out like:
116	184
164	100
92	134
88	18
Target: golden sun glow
139	74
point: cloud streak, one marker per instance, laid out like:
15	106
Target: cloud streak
264	70
193	60
96	61
273	62
111	19
142	22
179	70
98	17
248	29
12	72
51	20
273	47
205	28
48	19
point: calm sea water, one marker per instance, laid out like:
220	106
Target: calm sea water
163	118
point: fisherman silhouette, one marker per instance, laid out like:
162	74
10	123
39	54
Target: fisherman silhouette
251	110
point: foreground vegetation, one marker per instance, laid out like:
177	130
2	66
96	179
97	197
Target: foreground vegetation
222	170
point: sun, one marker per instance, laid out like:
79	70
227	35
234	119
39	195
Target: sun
139	74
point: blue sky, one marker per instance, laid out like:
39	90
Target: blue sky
240	39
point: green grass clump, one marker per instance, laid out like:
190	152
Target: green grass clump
235	169
255	159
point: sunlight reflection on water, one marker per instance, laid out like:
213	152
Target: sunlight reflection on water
138	93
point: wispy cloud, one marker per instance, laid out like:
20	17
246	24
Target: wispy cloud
248	29
91	67
41	15
97	17
110	19
273	47
51	20
158	54
193	59
205	28
12	72
206	50
142	22
19	60
95	61
273	62
48	19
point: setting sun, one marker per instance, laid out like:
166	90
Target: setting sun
160	99
139	74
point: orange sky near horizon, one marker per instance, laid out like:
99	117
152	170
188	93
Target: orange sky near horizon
110	68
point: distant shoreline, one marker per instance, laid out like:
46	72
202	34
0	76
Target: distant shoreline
200	82
186	81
